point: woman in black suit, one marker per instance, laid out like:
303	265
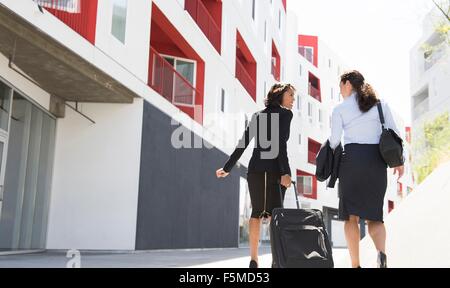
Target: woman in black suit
269	164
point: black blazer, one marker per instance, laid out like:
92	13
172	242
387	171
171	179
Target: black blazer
279	163
327	163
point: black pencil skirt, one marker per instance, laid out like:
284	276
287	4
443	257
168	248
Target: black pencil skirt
362	182
264	188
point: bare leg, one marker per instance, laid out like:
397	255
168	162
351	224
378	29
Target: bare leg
254	230
352	235
377	232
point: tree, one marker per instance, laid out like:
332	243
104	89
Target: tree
434	146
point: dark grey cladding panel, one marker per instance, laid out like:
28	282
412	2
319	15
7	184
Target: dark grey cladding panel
181	202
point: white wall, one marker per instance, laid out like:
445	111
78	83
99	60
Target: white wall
134	53
96	178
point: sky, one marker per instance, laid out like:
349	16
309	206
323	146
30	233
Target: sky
372	36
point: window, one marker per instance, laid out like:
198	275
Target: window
70	6
5	102
309	110
307	52
329	63
300	139
222	100
298	102
253	9
279	19
332	92
265	31
119	19
300	70
305	185
320	116
185	68
329	119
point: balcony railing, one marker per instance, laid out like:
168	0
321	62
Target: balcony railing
314	92
205	21
245	79
312	157
80	15
275	72
169	83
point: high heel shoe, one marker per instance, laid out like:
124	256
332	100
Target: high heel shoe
382	260
253	264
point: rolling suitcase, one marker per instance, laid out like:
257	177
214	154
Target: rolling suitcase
299	239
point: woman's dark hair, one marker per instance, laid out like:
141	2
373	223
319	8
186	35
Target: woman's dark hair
366	95
275	96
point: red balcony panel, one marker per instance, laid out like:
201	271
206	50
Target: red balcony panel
313	149
276	64
164	78
169	83
314	87
310	41
284	4
205	13
246	80
390	206
81	17
245	66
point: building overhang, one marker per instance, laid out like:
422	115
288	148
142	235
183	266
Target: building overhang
55	67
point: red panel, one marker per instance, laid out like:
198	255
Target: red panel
208	16
408	134
314	87
84	22
165	39
245	66
276	69
313	149
310	41
314	184
284	4
390	206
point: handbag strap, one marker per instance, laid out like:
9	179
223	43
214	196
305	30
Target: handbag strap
380	113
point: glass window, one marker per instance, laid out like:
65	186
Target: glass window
5	102
305	185
119	19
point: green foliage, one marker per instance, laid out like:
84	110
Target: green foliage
435	145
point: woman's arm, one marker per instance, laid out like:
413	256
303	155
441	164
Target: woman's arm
246	138
285	126
336	128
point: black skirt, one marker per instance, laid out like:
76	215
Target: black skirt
264	188
362	182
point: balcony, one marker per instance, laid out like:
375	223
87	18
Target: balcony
246	80
170	84
80	15
420	109
314	92
205	21
275	71
312	157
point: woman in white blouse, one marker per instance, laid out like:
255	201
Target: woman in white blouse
362	171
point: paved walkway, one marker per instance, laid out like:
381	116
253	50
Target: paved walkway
213	258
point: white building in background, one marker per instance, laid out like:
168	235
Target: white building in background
93	96
430	74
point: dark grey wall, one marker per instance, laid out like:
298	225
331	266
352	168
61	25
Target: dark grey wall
181	202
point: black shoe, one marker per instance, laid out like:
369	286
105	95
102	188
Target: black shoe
382	260
253	264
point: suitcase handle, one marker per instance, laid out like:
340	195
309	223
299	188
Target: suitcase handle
295	192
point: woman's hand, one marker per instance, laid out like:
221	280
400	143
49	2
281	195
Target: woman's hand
286	181
400	170
221	174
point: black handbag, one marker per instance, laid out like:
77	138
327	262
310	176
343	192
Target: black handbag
391	145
